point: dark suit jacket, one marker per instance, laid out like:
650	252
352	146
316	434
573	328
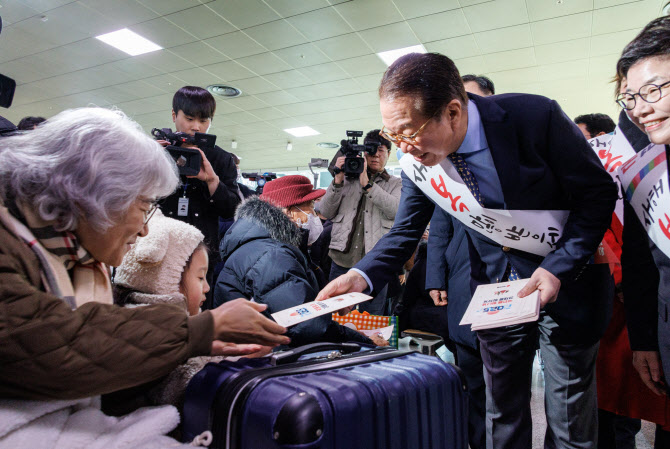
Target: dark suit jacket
544	163
448	268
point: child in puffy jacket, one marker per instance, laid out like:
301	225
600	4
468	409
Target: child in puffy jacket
168	266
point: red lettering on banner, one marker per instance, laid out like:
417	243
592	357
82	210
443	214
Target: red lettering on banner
615	166
608	158
628	164
441	189
665	228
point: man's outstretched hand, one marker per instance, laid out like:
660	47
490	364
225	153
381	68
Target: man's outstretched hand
349	282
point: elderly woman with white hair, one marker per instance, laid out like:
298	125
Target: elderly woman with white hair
75	193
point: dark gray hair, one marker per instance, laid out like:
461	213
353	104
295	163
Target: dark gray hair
431	79
484	83
652	41
87	162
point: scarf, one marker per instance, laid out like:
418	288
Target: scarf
67	269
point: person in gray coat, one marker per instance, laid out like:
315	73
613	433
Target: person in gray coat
362	211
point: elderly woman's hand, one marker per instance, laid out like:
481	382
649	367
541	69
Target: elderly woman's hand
378	340
240	321
231	349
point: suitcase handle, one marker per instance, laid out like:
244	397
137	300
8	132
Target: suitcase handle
294	354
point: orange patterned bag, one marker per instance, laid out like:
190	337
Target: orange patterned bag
365	321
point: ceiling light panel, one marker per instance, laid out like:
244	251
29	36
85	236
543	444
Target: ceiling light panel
302	131
129	42
390	56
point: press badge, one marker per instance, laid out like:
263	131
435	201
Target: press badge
182	207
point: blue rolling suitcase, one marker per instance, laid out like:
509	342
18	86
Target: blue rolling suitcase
346	398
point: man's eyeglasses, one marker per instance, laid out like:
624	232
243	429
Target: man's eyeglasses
396	138
651	93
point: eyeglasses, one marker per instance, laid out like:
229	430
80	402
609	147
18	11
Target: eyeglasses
651	93
396	138
153	206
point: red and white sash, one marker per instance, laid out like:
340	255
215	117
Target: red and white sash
613	150
533	231
644	179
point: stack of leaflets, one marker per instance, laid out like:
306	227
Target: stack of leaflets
497	305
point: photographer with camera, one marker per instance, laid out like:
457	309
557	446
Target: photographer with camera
362	202
212	192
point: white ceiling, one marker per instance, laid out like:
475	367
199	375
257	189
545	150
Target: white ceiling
304	62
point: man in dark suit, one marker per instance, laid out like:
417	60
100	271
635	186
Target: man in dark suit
447	280
515	152
448	283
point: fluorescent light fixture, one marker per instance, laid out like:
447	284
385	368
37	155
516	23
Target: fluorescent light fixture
129	42
289	146
390	56
302	131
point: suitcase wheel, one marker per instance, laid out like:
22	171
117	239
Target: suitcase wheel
300	420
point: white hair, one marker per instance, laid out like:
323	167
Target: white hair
87	162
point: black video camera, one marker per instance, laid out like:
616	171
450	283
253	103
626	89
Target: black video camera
352	151
260	179
188	160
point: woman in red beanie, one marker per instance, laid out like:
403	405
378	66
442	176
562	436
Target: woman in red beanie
266	259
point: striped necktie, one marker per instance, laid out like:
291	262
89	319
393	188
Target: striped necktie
471	182
467	176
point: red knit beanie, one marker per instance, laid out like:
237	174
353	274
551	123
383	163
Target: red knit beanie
290	190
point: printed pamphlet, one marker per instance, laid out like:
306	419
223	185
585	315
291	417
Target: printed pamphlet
309	310
497	305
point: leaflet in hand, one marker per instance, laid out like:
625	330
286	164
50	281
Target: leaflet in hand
497	305
307	311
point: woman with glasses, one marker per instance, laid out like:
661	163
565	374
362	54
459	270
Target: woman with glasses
75	194
643	84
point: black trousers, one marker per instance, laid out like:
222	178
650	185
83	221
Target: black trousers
469	360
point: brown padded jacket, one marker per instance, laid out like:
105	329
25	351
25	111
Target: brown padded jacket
48	351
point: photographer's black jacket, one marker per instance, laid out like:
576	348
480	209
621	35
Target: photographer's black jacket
204	210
